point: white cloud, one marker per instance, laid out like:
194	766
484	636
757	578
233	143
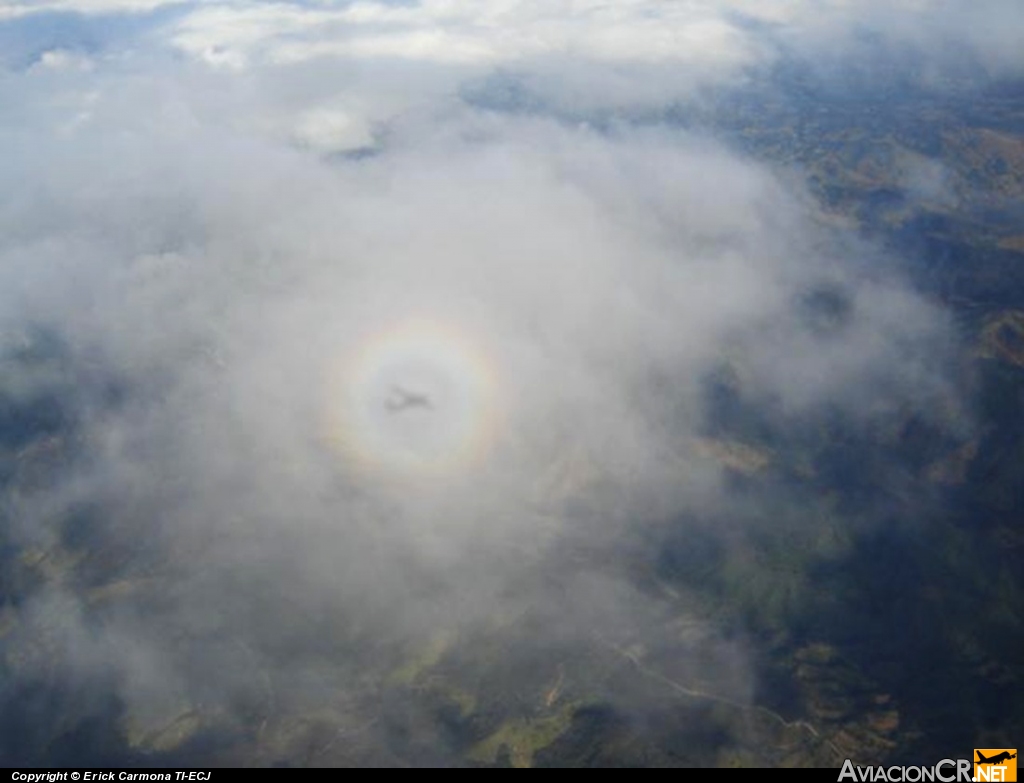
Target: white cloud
341	70
467	33
12	9
332	130
163	218
62	59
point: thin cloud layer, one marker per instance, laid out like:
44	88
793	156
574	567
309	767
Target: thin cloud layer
336	73
319	409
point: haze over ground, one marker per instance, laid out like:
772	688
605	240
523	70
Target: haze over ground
230	233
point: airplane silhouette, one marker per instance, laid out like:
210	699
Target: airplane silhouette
997	758
401	399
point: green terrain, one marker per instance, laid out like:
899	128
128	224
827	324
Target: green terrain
879	598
